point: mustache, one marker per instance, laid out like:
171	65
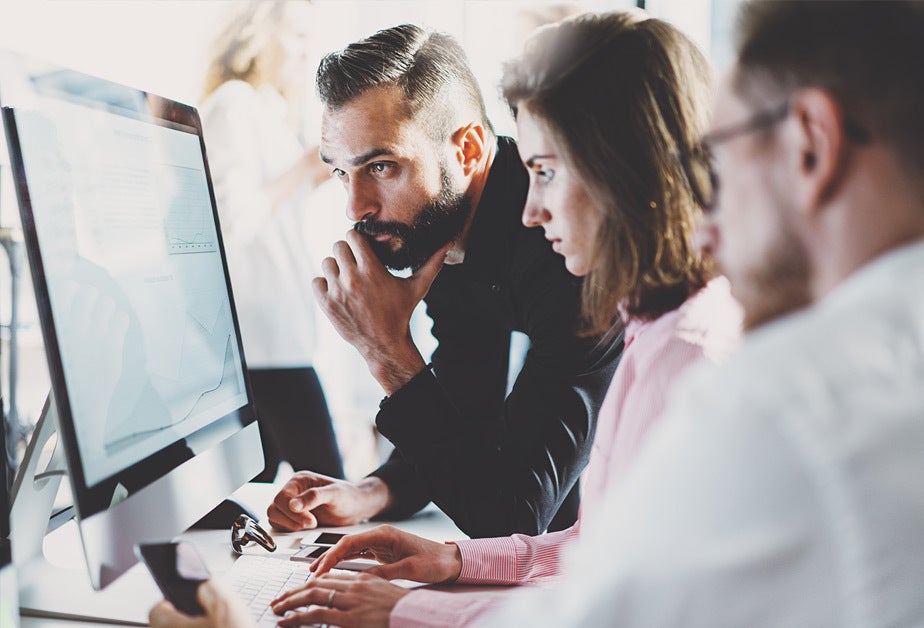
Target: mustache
372	228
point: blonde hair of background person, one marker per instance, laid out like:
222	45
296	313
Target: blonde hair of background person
250	48
262	43
264	177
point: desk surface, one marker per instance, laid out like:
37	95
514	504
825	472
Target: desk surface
63	548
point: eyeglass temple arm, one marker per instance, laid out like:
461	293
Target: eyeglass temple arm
261	536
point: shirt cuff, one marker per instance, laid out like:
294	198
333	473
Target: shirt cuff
428	369
488	561
419	418
425	609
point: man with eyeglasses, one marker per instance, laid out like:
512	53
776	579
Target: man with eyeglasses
786	487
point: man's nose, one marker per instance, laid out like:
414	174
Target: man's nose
360	203
706	238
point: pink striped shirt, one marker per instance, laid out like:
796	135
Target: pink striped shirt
657	352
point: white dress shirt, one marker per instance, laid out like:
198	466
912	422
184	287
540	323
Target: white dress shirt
784	488
249	143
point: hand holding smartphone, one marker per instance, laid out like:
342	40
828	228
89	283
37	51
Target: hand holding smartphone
178	570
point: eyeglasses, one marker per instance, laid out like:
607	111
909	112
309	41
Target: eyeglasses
245	531
699	164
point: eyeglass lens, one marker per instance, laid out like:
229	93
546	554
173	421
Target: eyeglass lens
701	173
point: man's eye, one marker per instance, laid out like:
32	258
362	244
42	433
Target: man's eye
379	167
337	172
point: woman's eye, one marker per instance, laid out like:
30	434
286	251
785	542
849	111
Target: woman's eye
545	174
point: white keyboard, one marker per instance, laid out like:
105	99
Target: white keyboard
259	580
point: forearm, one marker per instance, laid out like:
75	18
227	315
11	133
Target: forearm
516	559
396	367
425	608
376	496
490	484
408	495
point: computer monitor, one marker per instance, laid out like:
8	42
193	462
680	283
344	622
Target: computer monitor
9	595
142	339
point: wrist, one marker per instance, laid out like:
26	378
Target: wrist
452	562
395	370
376	496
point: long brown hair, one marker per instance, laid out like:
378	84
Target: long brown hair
621	95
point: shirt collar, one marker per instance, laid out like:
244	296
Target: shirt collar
489	247
892	267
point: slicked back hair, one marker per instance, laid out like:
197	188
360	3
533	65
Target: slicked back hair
429	68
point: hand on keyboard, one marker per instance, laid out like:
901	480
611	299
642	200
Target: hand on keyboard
223	609
258	580
402	554
338	599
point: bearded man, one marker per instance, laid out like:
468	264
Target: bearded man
432	189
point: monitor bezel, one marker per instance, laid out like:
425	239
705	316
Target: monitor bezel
92	499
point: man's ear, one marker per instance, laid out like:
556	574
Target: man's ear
469	144
820	160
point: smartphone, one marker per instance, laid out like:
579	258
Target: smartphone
311	553
178	569
328	539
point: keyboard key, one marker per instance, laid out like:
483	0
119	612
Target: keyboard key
258	580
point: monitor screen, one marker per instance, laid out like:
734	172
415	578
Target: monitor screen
131	283
134	278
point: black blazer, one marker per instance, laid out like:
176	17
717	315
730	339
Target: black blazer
495	463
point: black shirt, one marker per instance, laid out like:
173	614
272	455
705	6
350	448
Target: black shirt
499	464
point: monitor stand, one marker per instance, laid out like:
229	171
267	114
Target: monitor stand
48	589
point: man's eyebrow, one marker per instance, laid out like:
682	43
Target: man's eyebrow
372	154
358	161
532	160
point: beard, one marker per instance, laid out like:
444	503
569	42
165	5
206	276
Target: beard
777	287
438	222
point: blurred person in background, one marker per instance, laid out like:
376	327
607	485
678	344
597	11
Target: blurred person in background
263	176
